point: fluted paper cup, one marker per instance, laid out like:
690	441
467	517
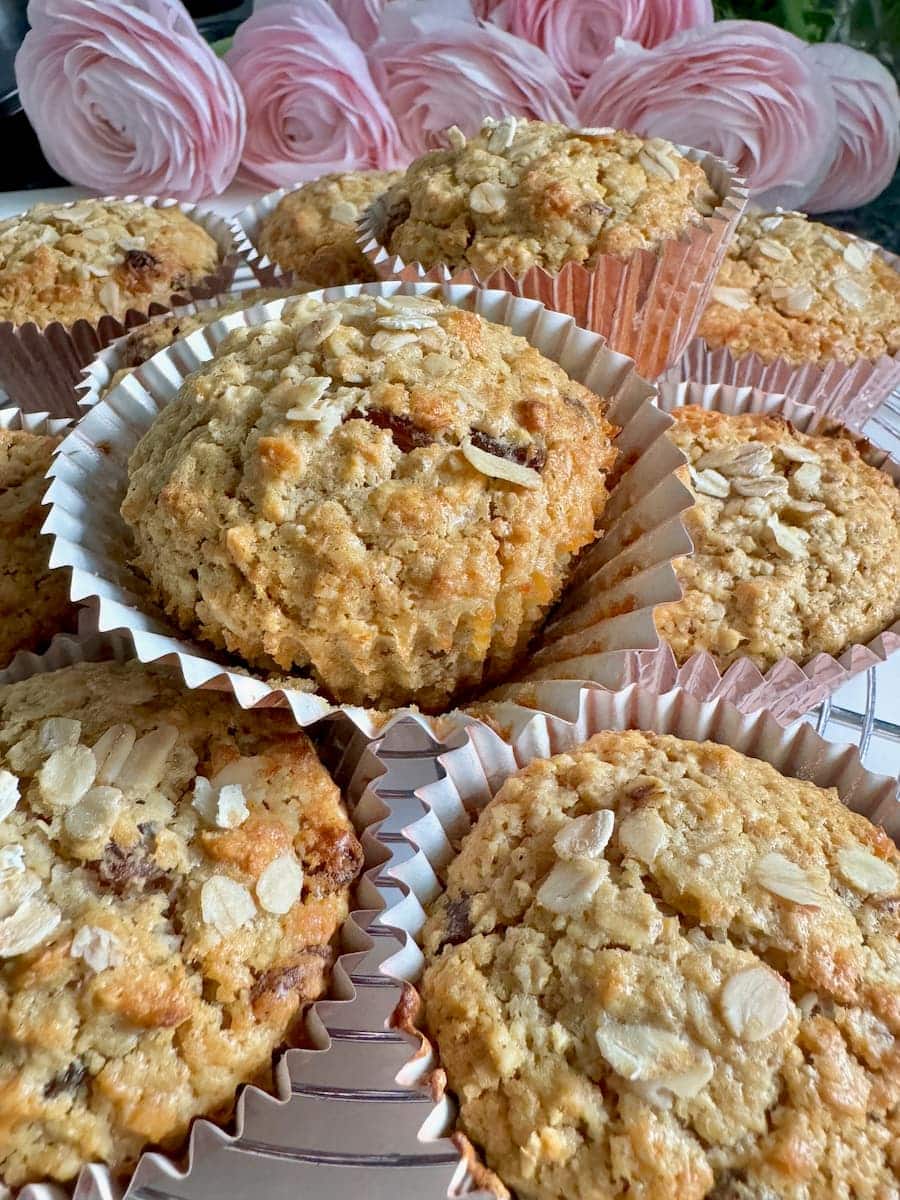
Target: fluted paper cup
40	367
608	604
428	793
646	304
246	227
846	392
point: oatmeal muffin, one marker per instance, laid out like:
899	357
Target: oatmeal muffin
795	289
172	873
98	257
312	232
34	601
160	332
528	194
796	542
661	969
385	494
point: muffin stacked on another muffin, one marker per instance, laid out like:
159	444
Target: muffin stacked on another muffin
312	230
386	494
34	601
98	258
796	542
801	291
172	873
530	194
662	969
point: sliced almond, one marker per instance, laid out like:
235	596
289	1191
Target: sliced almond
231	807
794	301
56	732
226	904
144	767
388	343
774	250
97	947
791	542
310	390
865	872
683	1085
279	886
111	750
9	793
732	297
807	477
12	859
318	329
570	886
770	224
795	452
643	1051
488	198
343	212
856	256
658	162
710	483
755	1004
94	815
28	927
67	775
643	834
406	321
766	485
502	135
585	837
16	888
109	296
456	137
751	458
831	241
496	467
851	292
786	880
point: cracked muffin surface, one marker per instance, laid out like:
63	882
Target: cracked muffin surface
526	193
34	601
660	968
796	542
172	873
96	258
799	290
385	494
312	230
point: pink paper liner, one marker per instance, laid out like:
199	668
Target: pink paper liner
787	690
40	367
647	305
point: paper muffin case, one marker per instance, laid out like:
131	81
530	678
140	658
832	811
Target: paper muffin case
40	367
846	392
646	304
426	793
787	690
608	606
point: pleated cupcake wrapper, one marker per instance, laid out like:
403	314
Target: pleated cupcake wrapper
245	229
326	1119
646	304
787	690
423	793
40	367
846	392
607	609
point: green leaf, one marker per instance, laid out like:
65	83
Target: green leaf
221	46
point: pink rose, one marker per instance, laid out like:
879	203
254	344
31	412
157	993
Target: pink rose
362	18
312	106
579	34
868	111
127	97
438	66
745	90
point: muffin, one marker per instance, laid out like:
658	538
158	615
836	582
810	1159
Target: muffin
172	870
662	969
95	258
527	194
34	601
312	230
383	494
794	289
796	542
156	334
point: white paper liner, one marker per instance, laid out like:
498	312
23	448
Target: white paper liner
434	790
607	609
40	367
646	304
846	392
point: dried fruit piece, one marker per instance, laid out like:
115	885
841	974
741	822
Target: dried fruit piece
496	467
585	837
865	872
755	1004
66	775
710	483
279	886
488	198
9	793
570	885
94	815
786	880
732	297
407	435
226	904
57	732
111	750
643	834
28	927
97	947
144	767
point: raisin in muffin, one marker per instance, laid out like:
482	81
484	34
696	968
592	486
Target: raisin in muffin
796	542
172	873
795	289
528	194
98	257
661	969
312	230
160	332
34	601
383	493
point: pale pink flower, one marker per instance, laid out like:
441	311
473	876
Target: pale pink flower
745	90
129	97
361	17
311	103
868	110
438	66
579	34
